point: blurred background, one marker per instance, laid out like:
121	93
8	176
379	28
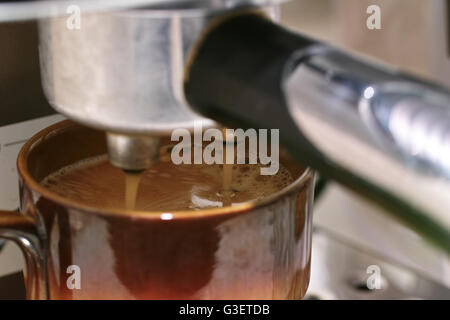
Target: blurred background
351	233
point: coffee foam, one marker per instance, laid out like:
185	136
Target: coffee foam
165	186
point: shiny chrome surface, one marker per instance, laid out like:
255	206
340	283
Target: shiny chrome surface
123	71
11	11
131	152
385	127
35	272
119	72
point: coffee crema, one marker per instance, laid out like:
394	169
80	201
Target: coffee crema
165	186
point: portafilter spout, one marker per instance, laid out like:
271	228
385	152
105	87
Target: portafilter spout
380	132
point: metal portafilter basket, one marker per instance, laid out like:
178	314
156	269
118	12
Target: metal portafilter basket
122	71
381	132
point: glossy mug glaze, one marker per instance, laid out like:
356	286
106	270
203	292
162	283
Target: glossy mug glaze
259	250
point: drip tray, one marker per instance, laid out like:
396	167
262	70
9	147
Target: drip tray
341	271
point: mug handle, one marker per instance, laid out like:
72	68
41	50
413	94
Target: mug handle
20	229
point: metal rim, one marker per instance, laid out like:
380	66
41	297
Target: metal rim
12	11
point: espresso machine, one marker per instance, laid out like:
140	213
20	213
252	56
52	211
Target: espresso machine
140	69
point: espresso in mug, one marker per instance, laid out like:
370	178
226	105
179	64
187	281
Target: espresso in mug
165	186
93	248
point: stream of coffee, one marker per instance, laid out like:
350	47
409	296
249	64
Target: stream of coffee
132	180
227	172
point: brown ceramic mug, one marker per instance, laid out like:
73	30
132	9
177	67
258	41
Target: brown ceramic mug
258	250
